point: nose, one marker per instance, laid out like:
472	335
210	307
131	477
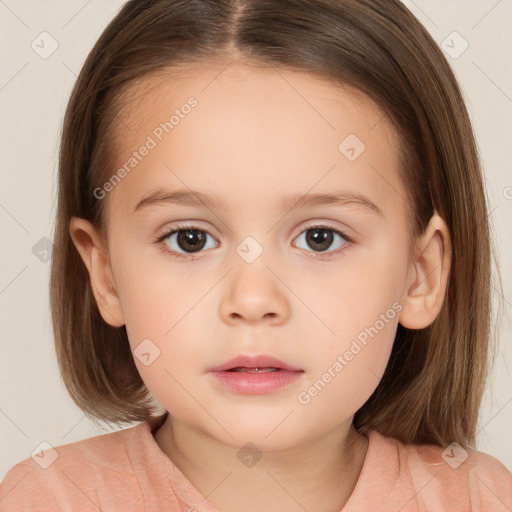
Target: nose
254	293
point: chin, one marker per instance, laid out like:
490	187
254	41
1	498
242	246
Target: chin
265	434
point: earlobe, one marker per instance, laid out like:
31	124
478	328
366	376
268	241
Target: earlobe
428	276
94	254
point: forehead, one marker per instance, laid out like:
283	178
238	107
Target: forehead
254	131
242	85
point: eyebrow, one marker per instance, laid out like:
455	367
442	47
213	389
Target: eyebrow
289	202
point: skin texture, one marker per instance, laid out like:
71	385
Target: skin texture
256	135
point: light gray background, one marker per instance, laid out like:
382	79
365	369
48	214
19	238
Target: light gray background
34	406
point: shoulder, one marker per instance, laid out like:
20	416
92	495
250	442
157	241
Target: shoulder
450	478
72	474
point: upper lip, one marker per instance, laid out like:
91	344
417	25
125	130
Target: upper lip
254	361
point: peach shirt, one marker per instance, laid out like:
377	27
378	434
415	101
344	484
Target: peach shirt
127	470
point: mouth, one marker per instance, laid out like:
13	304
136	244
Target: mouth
254	364
255	375
254	370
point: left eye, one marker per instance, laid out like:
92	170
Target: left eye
320	238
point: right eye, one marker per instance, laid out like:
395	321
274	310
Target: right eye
186	240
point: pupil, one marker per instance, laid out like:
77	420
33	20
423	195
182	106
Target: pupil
191	240
320	237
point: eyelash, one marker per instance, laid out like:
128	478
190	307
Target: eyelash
186	227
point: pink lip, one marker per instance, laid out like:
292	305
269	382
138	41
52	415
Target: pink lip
255	383
248	361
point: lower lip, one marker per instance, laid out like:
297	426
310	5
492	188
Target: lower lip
256	383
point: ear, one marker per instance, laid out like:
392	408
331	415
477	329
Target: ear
94	252
428	276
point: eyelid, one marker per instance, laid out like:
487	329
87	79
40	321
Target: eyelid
325	224
166	231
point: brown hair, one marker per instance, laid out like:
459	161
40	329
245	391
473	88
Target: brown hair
433	384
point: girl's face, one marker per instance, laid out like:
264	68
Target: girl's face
254	277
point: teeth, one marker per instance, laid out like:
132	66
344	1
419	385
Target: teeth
254	370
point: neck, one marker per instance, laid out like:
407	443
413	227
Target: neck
320	474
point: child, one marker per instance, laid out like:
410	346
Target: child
271	224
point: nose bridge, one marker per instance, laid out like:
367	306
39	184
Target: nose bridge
254	291
250	249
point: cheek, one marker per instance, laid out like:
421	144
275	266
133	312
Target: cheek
347	370
364	286
361	306
168	315
155	291
346	383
